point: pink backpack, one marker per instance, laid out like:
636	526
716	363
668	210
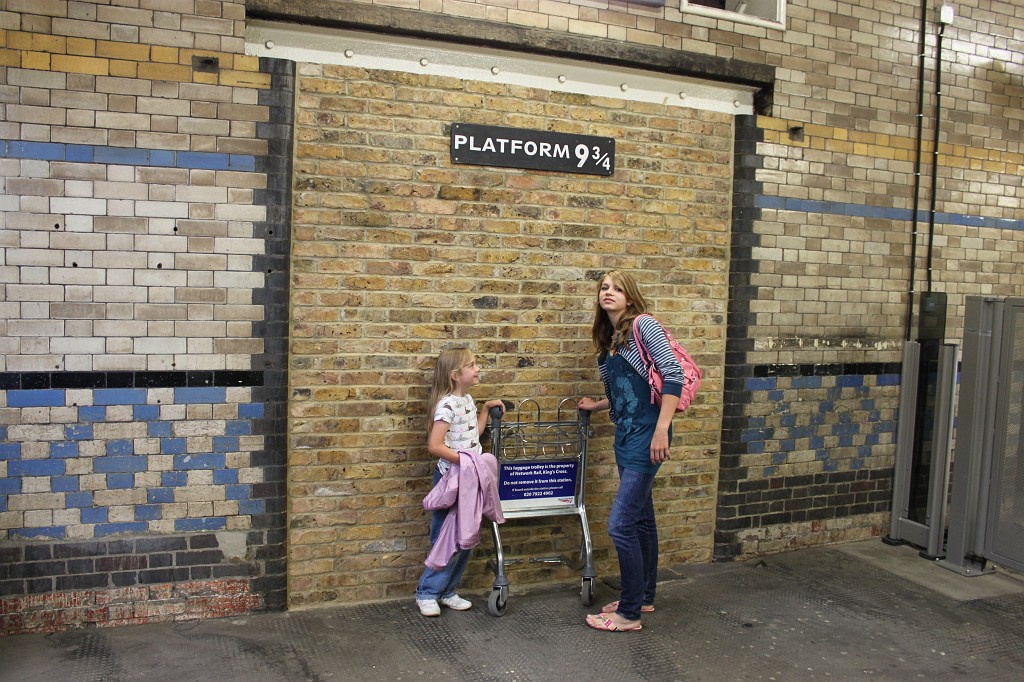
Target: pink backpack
691	372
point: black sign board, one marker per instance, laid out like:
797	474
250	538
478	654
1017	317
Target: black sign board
537	149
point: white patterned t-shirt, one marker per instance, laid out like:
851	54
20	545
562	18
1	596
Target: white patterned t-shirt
463	431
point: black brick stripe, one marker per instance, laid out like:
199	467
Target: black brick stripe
13	381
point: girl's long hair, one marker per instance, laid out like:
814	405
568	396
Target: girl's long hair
602	332
450	360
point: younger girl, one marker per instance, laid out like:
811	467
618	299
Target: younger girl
454	425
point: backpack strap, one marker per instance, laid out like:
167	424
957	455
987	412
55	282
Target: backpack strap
645	355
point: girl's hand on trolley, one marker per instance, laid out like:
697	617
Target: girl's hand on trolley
588	404
494	403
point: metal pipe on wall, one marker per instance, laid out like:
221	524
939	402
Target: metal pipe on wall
935	149
917	167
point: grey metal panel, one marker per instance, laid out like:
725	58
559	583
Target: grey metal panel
942	434
899	528
1004	538
973	435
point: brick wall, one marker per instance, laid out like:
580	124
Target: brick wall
142	380
146	232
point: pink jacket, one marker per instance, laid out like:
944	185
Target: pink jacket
471	486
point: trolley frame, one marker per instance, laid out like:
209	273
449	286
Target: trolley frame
541	446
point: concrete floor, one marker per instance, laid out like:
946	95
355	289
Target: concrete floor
864	610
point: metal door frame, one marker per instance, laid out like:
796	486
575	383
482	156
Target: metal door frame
929	535
981	435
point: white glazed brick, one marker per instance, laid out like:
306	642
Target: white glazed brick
237	460
35	501
78	466
35	484
39	517
67	517
111	363
238	522
250	475
92	448
251	443
118	345
121	514
225	508
64	415
161	209
92	482
177	510
80	532
120	426
33	434
78	206
174	413
35	450
197	493
158	345
147	446
199	427
157	396
12	519
161	463
64	346
124	497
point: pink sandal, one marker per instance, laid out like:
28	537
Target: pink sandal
602	622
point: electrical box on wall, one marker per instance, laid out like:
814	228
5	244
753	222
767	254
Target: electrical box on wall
932	316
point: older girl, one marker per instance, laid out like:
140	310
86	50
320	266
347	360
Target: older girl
643	432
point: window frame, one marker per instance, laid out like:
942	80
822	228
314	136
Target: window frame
700	10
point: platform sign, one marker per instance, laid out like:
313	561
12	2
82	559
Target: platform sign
537	484
536	149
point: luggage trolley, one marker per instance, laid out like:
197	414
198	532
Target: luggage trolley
541	471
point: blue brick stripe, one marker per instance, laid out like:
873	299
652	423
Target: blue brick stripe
125	156
881	212
46	398
119	396
211	394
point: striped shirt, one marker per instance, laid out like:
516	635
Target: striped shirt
653	335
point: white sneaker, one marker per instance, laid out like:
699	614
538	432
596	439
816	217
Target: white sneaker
428	607
457	603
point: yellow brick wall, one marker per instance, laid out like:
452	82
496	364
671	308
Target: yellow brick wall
398	253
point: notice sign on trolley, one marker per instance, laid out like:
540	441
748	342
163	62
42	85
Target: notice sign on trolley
537	484
536	149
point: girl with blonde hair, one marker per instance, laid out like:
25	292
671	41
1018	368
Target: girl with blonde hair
454	425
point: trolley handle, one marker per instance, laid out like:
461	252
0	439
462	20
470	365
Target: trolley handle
496	413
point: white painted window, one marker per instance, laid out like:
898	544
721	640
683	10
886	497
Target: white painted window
770	13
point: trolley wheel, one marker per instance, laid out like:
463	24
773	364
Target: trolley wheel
587	591
497	601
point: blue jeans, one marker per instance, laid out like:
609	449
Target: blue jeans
438	584
635	535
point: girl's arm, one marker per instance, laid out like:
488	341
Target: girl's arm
672	372
659	442
589	404
435	443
